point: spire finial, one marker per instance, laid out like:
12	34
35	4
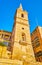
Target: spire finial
21	6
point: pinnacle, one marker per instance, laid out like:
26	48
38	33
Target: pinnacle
21	6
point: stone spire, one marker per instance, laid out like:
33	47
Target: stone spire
21	6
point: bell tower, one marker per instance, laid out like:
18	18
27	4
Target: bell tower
21	40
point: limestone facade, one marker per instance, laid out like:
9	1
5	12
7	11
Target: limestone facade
20	51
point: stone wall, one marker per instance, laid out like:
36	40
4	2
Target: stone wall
17	62
10	62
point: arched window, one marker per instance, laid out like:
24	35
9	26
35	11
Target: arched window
22	15
23	37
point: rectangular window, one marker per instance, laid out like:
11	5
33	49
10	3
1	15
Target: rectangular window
38	54
35	42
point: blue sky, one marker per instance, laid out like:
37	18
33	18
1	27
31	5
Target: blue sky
8	8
